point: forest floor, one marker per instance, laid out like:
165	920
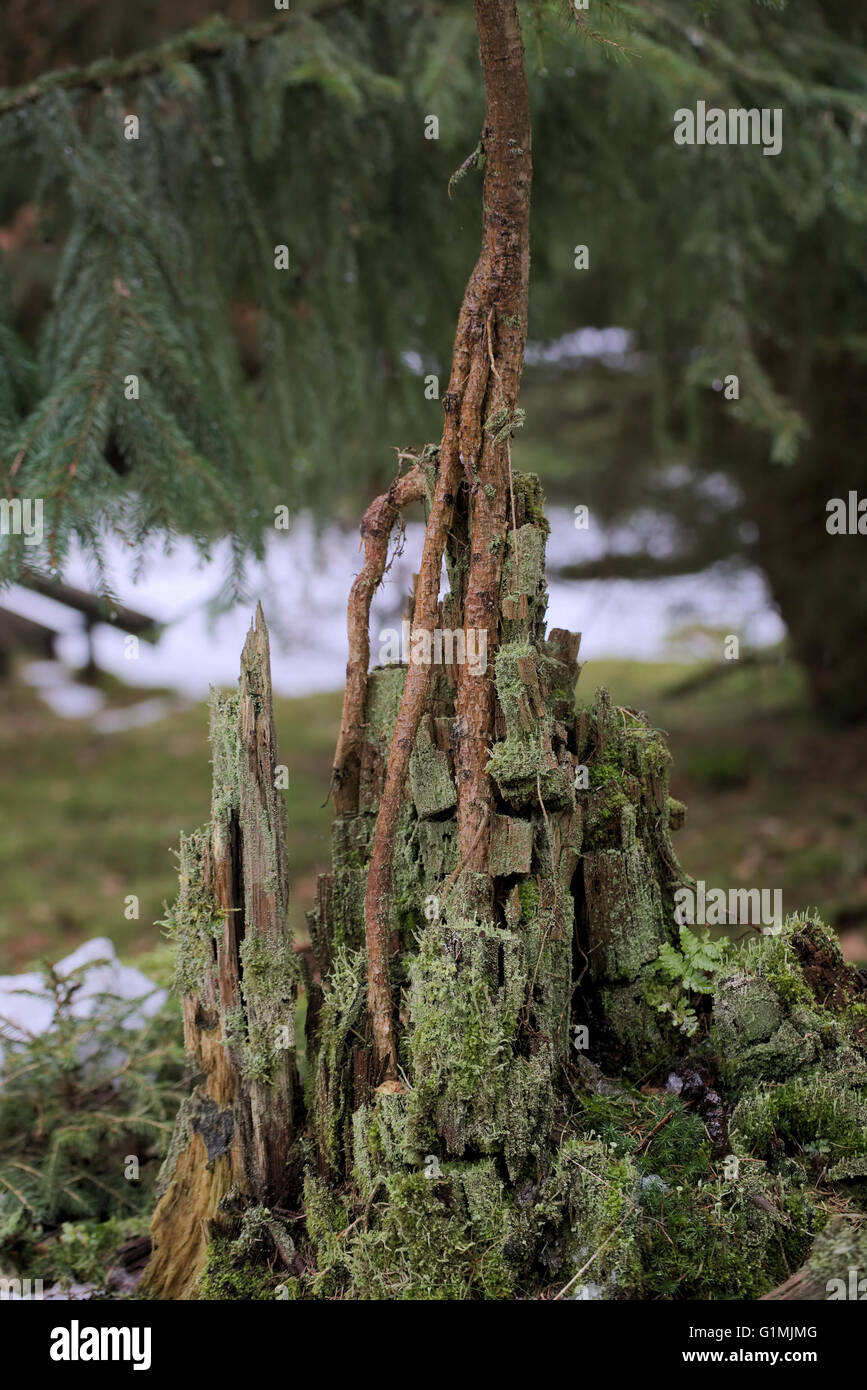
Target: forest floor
775	801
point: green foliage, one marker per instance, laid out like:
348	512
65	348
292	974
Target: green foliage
677	976
166	270
82	1250
260	386
76	1102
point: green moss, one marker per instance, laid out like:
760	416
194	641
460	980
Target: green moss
225	752
193	921
839	1248
768	1021
433	791
227	1276
725	1240
471	1086
528	897
269	982
601	774
817	1115
328	1085
590	1208
528	575
325	1219
524	769
437	1238
530	497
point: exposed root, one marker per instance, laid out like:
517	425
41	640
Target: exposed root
376	529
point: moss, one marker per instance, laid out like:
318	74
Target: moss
228	1276
436	1238
839	1248
382	1140
470	1084
350	844
328	1085
601	774
725	1240
524	769
325	1220
193	921
433	791
527	576
528	897
591	1210
439	848
818	1116
530	498
269	982
768	1021
502	423
225	751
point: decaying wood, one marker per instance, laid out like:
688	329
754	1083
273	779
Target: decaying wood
236	1129
494	303
499	330
376	529
262	816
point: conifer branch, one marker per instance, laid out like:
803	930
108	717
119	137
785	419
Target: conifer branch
204	41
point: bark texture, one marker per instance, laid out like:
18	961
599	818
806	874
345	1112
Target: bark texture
238	975
479	404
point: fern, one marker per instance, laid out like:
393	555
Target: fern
677	978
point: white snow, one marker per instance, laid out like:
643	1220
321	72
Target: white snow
27	1009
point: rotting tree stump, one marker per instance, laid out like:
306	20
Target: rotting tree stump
583	884
238	975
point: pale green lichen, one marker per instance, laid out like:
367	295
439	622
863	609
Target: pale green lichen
433	791
225	753
269	981
384	693
193	921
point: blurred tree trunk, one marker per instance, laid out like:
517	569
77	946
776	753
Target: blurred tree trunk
819	580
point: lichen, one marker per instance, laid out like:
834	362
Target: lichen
193	921
269	981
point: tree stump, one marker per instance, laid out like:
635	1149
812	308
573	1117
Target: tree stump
238	975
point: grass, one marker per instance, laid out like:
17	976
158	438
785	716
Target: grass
89	819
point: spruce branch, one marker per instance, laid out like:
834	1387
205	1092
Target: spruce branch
206	40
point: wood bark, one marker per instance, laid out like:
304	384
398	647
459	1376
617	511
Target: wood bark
498	328
236	1129
376	529
489	342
